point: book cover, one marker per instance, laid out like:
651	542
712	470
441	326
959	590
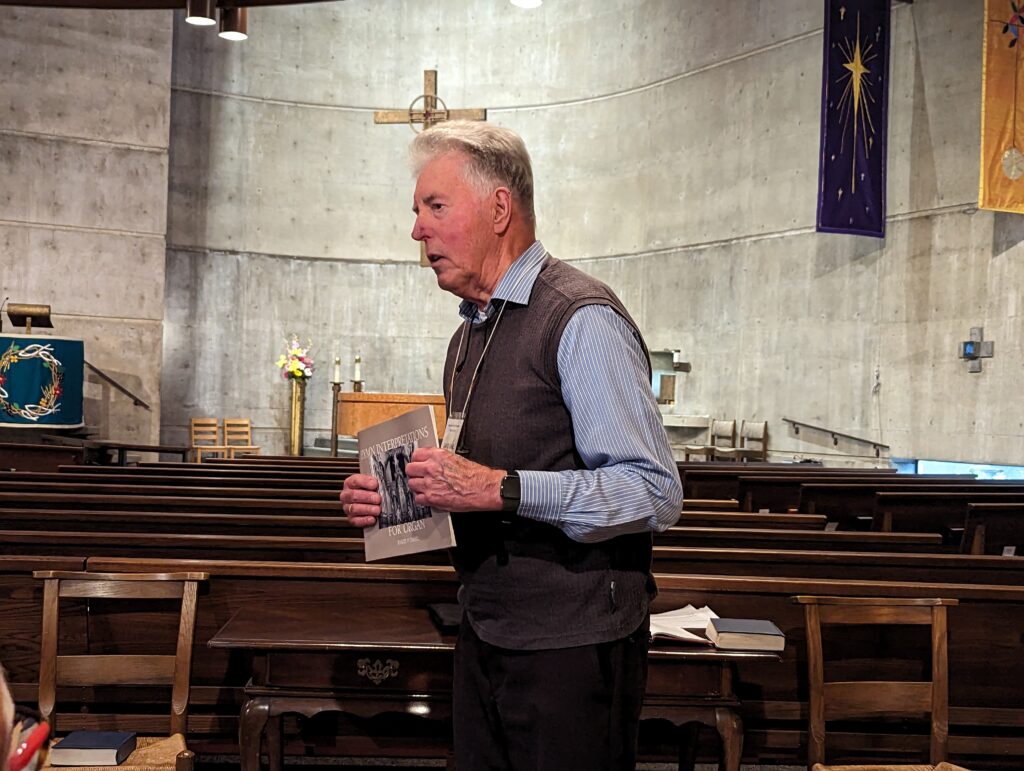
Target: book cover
404	527
750	634
93	748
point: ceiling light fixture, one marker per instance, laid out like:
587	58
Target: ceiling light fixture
527	3
202	13
234	23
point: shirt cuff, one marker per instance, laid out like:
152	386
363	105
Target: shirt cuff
540	496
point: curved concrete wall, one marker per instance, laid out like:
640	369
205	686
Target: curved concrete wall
675	152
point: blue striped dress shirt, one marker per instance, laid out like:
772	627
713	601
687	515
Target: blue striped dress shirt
630	483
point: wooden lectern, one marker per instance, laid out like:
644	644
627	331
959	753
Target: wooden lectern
356	411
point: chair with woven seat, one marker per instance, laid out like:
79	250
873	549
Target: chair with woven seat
124	667
721	434
866	699
753	443
238	437
206	440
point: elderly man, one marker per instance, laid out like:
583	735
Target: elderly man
555	465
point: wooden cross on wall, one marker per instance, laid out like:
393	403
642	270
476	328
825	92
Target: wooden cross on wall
424	111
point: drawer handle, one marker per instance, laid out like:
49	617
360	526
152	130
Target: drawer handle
377	672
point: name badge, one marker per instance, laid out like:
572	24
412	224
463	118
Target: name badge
452	431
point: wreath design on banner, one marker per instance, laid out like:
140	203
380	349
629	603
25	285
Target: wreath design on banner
49	399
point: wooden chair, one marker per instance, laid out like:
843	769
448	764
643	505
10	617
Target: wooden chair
753	443
994	529
206	439
167	751
860	699
238	437
721	434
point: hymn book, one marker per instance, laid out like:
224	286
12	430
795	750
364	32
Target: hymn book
404	527
93	748
745	634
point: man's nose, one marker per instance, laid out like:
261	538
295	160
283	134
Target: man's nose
417	230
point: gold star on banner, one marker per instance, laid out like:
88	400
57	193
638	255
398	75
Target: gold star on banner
842	12
840	196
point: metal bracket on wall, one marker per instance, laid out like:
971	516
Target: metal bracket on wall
976	349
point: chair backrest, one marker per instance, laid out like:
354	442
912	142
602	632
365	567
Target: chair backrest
238	431
833	700
991	529
204	432
754	434
174	670
722	433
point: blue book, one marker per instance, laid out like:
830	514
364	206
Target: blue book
93	748
745	634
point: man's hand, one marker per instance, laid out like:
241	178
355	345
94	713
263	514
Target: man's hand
448	481
360	500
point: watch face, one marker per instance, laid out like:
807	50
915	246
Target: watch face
1013	163
510	490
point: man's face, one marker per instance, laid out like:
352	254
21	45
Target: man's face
452	220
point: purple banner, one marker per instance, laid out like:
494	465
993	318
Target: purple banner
854	117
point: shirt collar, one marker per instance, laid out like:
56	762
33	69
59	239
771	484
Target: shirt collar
515	286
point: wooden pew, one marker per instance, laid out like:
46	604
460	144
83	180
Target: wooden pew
993	528
136	502
985	714
853	505
785	521
114	489
707	481
144	541
128	476
783	493
297	477
933	512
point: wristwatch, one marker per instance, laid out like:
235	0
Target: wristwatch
509	492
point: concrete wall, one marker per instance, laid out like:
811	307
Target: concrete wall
675	152
84	117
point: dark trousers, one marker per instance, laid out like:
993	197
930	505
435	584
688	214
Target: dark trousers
548	710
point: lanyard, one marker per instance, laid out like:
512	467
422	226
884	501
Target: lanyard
476	370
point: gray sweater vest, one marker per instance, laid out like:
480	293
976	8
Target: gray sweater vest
525	584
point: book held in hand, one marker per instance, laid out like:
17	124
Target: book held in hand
404	527
745	634
93	748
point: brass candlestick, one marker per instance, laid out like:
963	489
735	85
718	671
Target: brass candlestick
336	396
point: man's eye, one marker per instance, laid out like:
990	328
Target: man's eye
436	206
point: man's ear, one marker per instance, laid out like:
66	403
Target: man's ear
501	210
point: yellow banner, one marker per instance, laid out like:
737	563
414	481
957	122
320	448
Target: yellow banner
1002	119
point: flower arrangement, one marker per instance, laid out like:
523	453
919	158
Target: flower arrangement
295	363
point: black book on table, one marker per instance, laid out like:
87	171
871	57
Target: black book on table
93	748
745	634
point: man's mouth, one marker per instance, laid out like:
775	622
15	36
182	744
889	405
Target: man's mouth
434	258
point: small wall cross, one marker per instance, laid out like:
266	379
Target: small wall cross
976	349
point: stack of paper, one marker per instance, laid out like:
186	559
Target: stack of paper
684	624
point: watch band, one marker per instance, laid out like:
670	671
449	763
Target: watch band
510	492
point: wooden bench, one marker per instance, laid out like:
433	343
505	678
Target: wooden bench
853	505
994	528
985	716
787	493
133	501
718	482
144	543
933	512
784	521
